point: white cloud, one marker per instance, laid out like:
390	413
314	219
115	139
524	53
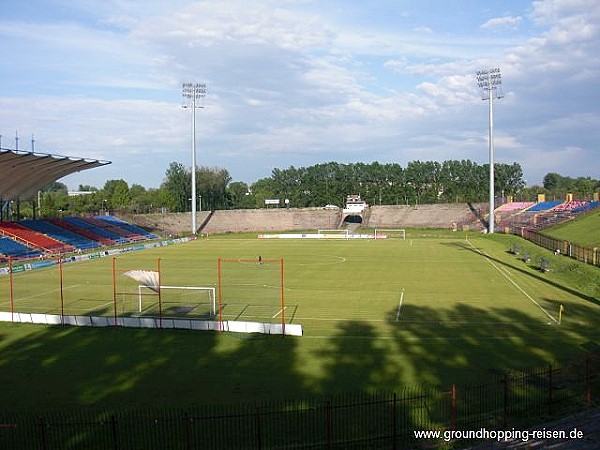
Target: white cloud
554	11
208	24
506	22
290	85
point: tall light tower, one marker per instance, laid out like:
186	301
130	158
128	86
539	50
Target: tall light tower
490	83
191	93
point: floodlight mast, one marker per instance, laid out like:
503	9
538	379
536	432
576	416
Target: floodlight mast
191	93
490	81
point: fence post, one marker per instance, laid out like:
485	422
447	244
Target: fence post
588	385
453	412
505	406
187	424
394	420
258	429
550	389
42	426
328	424
113	428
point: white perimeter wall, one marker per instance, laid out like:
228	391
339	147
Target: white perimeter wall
152	322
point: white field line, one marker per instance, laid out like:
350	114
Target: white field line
338	319
45	293
279	312
509	278
406	339
400	305
75	308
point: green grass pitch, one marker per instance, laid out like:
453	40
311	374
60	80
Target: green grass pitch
583	231
377	315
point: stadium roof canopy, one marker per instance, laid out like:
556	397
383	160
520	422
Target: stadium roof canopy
23	173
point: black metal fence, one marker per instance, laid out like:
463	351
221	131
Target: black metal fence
364	420
586	254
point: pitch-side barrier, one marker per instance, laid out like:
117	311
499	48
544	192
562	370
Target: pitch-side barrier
153	322
321	236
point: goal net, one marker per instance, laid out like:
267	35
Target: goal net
390	233
251	290
177	301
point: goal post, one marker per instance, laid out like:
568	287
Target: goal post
390	233
251	290
189	301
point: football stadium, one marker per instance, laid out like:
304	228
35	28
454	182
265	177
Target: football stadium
335	327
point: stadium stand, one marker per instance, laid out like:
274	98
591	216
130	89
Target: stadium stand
61	234
515	207
132	229
31	171
12	248
549	213
545	206
284	219
88	233
569	206
125	236
34	238
586	207
89	225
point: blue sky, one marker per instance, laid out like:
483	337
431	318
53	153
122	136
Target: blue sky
300	82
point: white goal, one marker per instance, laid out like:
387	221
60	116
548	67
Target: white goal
177	301
390	233
343	232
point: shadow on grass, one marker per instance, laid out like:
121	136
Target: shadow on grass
116	369
464	343
530	272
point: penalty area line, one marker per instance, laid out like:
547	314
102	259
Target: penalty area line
400	305
279	312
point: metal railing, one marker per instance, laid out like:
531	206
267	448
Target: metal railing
362	420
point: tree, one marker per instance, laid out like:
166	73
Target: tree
262	190
553	181
509	179
239	195
86	188
116	193
212	186
176	187
56	186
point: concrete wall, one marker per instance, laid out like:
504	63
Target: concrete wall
284	219
420	216
279	219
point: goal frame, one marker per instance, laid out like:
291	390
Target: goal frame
384	231
345	232
222	261
210	289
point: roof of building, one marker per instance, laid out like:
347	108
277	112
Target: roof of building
24	173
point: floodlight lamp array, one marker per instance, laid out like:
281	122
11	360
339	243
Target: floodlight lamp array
193	91
490	80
